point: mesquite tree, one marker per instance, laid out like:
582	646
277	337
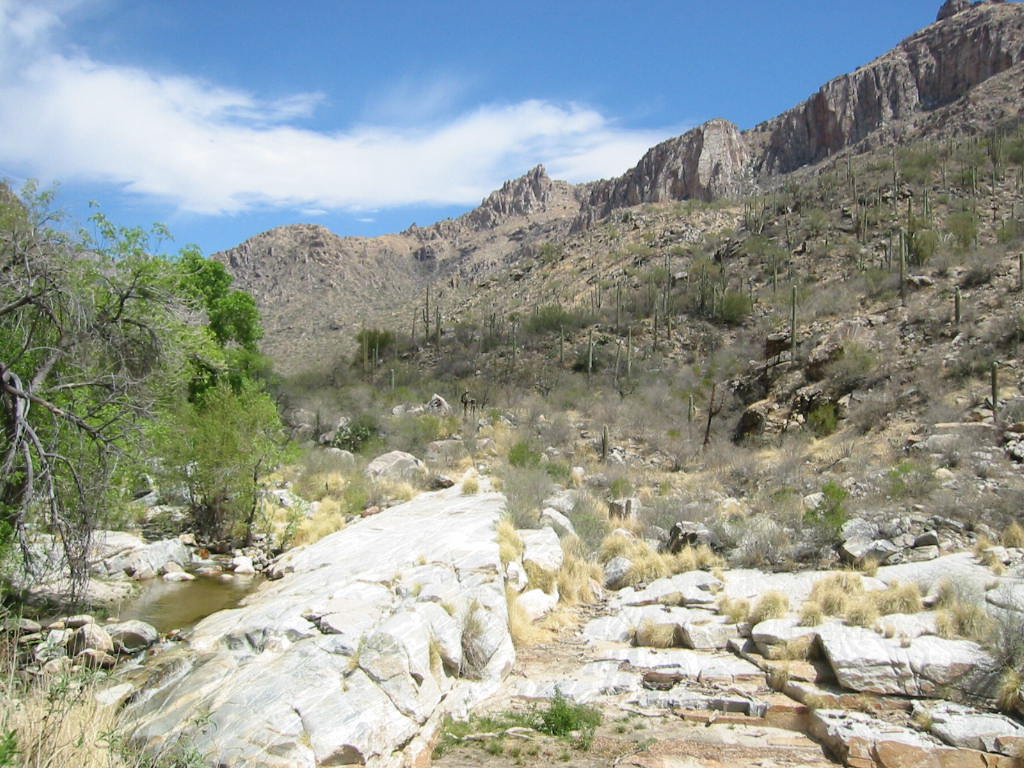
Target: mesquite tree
91	331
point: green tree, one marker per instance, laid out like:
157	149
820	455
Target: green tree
91	341
219	447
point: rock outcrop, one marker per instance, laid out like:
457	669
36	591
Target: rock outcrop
928	70
952	8
354	655
707	163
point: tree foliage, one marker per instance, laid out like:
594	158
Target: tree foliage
91	331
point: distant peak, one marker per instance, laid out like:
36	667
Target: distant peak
952	8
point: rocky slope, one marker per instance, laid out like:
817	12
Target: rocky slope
961	75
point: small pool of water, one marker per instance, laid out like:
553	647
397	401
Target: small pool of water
181	605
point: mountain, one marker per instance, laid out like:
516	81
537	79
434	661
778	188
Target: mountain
962	75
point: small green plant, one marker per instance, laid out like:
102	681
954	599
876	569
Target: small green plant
823	419
830	514
563	717
910	480
523	455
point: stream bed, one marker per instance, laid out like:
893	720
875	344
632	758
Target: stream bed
181	605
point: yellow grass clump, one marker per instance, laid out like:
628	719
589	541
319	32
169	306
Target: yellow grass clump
862	611
470	485
771	605
834	592
510	545
898	598
736	609
1013	536
524	632
328	519
811	614
576	579
653	635
967	620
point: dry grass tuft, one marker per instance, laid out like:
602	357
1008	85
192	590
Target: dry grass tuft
576	579
898	598
699	558
736	609
510	544
967	620
653	635
328	519
540	578
1013	536
648	565
811	614
524	632
862	611
834	592
771	605
470	485
1009	694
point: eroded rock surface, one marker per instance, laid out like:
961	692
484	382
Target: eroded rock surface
351	656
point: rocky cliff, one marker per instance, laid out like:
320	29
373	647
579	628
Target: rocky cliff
706	163
925	73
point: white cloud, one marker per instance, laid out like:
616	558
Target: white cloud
214	150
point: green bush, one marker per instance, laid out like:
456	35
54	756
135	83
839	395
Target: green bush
823	419
523	455
830	513
357	433
910	480
735	307
963	225
563	717
554	317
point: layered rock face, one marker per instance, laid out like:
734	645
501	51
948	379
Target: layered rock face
928	70
704	164
353	656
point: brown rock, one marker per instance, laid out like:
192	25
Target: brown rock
952	8
90	636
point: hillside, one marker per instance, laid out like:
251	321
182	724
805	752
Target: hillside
958	77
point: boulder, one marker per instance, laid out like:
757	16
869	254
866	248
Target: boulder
552	518
951	8
536	603
923	667
543	549
438	406
242	565
132	636
90	636
132	556
968	728
398	466
616	572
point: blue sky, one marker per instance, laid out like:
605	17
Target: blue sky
225	118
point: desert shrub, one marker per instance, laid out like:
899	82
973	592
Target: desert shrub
771	605
648	565
653	635
823	419
563	717
910	480
358	434
963	225
522	454
735	307
830	515
553	318
856	368
978	273
589	520
470	485
761	541
411	432
525	490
